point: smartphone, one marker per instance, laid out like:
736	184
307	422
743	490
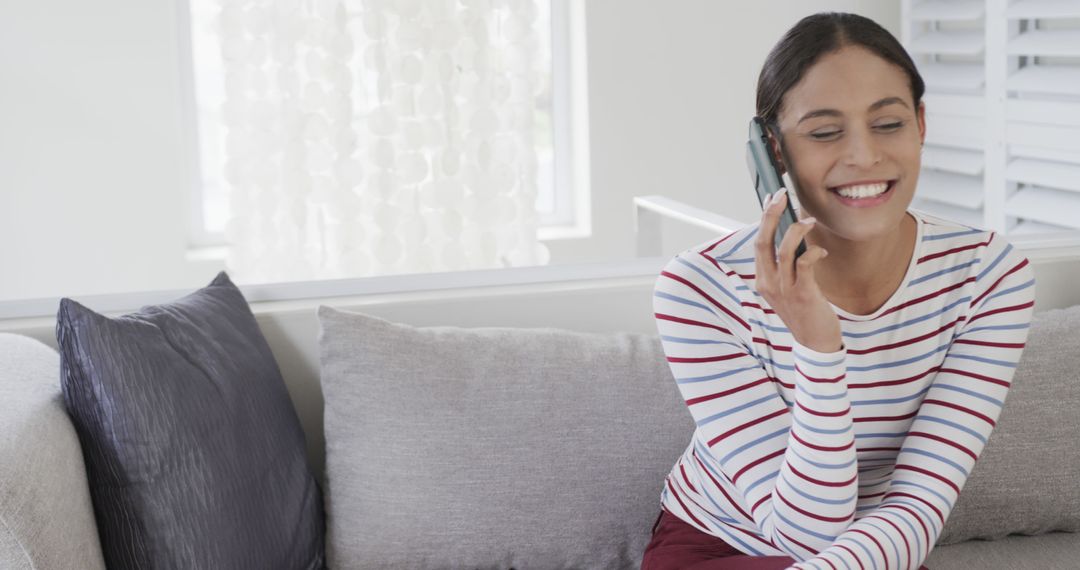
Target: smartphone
767	179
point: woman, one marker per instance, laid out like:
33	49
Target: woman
841	400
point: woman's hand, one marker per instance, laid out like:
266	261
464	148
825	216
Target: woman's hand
789	286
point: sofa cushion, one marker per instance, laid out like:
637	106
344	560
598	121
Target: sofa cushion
494	447
194	453
1025	480
46	519
1050	551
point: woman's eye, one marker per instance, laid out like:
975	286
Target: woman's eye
885	127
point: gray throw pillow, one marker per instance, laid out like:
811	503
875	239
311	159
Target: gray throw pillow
496	447
194	454
1025	479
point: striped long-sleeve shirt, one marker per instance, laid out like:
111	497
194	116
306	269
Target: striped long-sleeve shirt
849	459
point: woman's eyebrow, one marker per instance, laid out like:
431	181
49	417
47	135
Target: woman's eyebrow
834	113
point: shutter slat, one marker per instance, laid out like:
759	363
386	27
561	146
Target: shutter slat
953	76
1058	207
1065	43
1057	175
950	188
1033	227
1032	9
949	43
965	216
959	161
1055	79
948	11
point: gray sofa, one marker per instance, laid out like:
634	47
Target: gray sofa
502	447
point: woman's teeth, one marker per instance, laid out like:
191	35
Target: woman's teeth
863	191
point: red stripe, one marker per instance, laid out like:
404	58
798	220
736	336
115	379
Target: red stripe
871	537
755	463
701	399
749	424
964	409
905	342
907	545
820	447
895	382
976	376
823	414
687	479
945	441
1018	267
801	545
720	358
927	297
715	303
717	484
675	494
819	380
681	320
718	242
823	483
987	343
886	418
861	567
777	493
941	518
953	250
910	511
1002	310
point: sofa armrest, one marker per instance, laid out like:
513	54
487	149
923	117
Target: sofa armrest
46	516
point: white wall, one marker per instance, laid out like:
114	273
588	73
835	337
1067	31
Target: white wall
93	152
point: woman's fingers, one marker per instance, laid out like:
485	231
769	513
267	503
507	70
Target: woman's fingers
805	266
764	245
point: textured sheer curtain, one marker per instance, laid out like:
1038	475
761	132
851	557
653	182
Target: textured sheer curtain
379	136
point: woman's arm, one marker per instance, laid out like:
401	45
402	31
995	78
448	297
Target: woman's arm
954	422
794	469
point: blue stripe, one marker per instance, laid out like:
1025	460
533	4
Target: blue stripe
862	546
953	234
883	434
671	297
999	327
823	465
942	272
903	517
789	522
918	394
817	429
1004	363
951	424
971	393
989	268
940	458
1012	289
910	322
709	278
899	362
714	376
741	448
925	488
695	340
738	245
770	477
800	388
736	409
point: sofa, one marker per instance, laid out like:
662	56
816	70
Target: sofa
462	443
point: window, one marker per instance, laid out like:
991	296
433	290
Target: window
562	193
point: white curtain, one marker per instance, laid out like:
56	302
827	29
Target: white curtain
379	136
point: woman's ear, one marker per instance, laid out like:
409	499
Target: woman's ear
922	122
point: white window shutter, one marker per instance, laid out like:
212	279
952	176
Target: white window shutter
1003	111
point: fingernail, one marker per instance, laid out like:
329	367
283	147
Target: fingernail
808	221
779	193
768	200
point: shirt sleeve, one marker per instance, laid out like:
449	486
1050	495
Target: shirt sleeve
792	470
954	422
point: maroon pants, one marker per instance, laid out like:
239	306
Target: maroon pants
677	545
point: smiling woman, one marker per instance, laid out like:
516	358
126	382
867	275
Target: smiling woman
806	455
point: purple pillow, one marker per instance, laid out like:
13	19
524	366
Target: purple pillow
193	450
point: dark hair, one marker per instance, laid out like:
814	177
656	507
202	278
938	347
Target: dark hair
817	35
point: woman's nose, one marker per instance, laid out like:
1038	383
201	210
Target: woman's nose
862	150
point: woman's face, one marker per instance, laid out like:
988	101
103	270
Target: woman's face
850	120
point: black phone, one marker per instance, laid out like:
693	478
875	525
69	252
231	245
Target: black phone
767	179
